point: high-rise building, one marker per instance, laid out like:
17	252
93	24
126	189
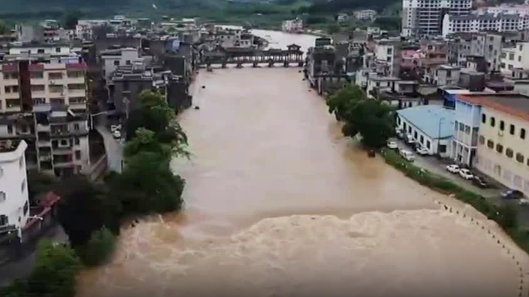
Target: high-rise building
425	17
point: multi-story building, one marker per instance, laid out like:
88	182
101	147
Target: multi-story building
485	22
45	104
465	137
387	57
487	45
365	14
514	57
517	9
14	204
111	59
425	17
502	147
295	26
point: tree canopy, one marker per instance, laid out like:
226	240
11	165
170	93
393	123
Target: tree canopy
369	118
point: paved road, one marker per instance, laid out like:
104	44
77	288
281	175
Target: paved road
113	147
432	164
21	268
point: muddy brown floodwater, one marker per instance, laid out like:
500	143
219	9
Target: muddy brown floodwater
278	203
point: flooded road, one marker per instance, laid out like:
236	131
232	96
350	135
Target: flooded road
278	203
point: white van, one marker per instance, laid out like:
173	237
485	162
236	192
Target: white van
407	155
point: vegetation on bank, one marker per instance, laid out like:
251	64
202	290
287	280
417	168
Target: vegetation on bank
373	121
505	215
91	213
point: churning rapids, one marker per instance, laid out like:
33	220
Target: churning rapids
278	203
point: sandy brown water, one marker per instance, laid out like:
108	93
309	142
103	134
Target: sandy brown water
278	203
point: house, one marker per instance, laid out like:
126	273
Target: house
431	126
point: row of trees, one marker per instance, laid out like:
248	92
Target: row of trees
91	213
372	120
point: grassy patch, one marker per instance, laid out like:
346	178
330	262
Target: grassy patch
503	215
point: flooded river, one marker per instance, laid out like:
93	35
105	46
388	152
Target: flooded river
278	203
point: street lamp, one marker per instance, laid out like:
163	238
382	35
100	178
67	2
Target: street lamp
441	120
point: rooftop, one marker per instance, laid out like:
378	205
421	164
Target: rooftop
511	103
433	120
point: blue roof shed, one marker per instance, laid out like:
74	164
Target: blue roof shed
433	120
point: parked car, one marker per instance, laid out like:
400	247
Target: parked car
453	168
512	194
466	174
392	145
116	134
407	155
480	182
422	151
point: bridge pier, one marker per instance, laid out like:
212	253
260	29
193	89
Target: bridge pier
223	65
239	65
270	64
255	64
300	64
208	68
285	64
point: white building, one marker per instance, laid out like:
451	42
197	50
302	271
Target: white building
515	57
484	22
431	126
14	203
295	26
112	58
365	14
517	9
424	17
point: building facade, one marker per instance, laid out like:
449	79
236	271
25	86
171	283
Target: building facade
14	203
465	136
294	26
502	144
514	57
486	22
425	17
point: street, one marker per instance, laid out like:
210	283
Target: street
113	147
438	167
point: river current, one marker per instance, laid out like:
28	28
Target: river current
278	203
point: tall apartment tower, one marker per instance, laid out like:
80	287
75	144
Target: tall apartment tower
425	17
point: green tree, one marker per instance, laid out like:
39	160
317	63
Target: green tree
70	19
154	114
99	248
17	288
38	183
148	185
55	270
333	28
4	28
341	101
85	208
145	140
372	120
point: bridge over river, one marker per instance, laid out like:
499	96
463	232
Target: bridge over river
239	56
279	203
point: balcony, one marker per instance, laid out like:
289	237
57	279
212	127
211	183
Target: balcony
75	80
46	156
43	128
44	143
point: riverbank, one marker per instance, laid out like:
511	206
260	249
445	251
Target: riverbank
499	223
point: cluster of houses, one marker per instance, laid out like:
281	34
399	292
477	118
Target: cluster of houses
462	97
54	84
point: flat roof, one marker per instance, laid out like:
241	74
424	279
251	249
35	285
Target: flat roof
433	120
512	103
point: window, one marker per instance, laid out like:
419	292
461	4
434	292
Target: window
421	139
519	58
511	56
502	125
128	62
519	157
37	74
21	163
26	208
522	133
76	127
499	148
509	153
37	88
492	121
9	129
1	172
57	49
78	155
428	144
55	75
116	63
415	135
23	186
511	129
40	51
490	143
483	118
76	141
390	51
3	220
2	196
